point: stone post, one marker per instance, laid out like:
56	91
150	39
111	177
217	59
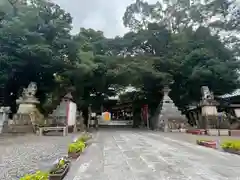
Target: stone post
196	118
169	114
4	112
200	118
89	116
166	91
208	107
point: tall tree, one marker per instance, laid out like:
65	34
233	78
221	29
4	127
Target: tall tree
33	42
221	16
193	50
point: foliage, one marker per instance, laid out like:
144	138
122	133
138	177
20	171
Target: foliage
190	59
34	41
76	147
187	44
201	141
84	138
231	144
178	15
39	175
179	42
60	166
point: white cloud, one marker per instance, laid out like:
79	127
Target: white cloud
104	15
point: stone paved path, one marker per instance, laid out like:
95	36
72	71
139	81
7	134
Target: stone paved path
24	154
136	155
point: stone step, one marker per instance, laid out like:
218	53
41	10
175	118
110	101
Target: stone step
212	132
224	132
234	133
19	129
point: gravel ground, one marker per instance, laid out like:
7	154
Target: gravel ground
24	154
147	155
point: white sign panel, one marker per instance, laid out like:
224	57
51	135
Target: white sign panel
237	112
71	113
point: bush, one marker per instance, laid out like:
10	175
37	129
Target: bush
60	166
39	175
199	141
231	144
202	140
84	138
76	147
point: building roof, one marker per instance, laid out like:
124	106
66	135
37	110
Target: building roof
234	93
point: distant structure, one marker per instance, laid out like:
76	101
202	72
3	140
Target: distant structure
230	95
169	117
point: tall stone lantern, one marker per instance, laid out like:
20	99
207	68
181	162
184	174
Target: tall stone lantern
208	108
169	116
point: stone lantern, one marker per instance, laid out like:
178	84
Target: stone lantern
169	116
208	108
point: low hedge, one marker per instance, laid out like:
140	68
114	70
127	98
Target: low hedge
231	144
39	175
84	138
77	146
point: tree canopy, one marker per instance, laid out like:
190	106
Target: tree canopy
189	43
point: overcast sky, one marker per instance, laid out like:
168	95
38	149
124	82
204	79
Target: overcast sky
105	15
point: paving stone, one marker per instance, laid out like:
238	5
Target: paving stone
146	176
120	155
151	158
136	155
131	154
137	164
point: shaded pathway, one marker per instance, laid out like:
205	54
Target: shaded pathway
135	155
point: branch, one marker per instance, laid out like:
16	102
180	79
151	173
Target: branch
13	3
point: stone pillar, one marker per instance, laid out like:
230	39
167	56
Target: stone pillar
191	116
166	128
169	114
208	108
89	116
195	117
200	119
4	112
